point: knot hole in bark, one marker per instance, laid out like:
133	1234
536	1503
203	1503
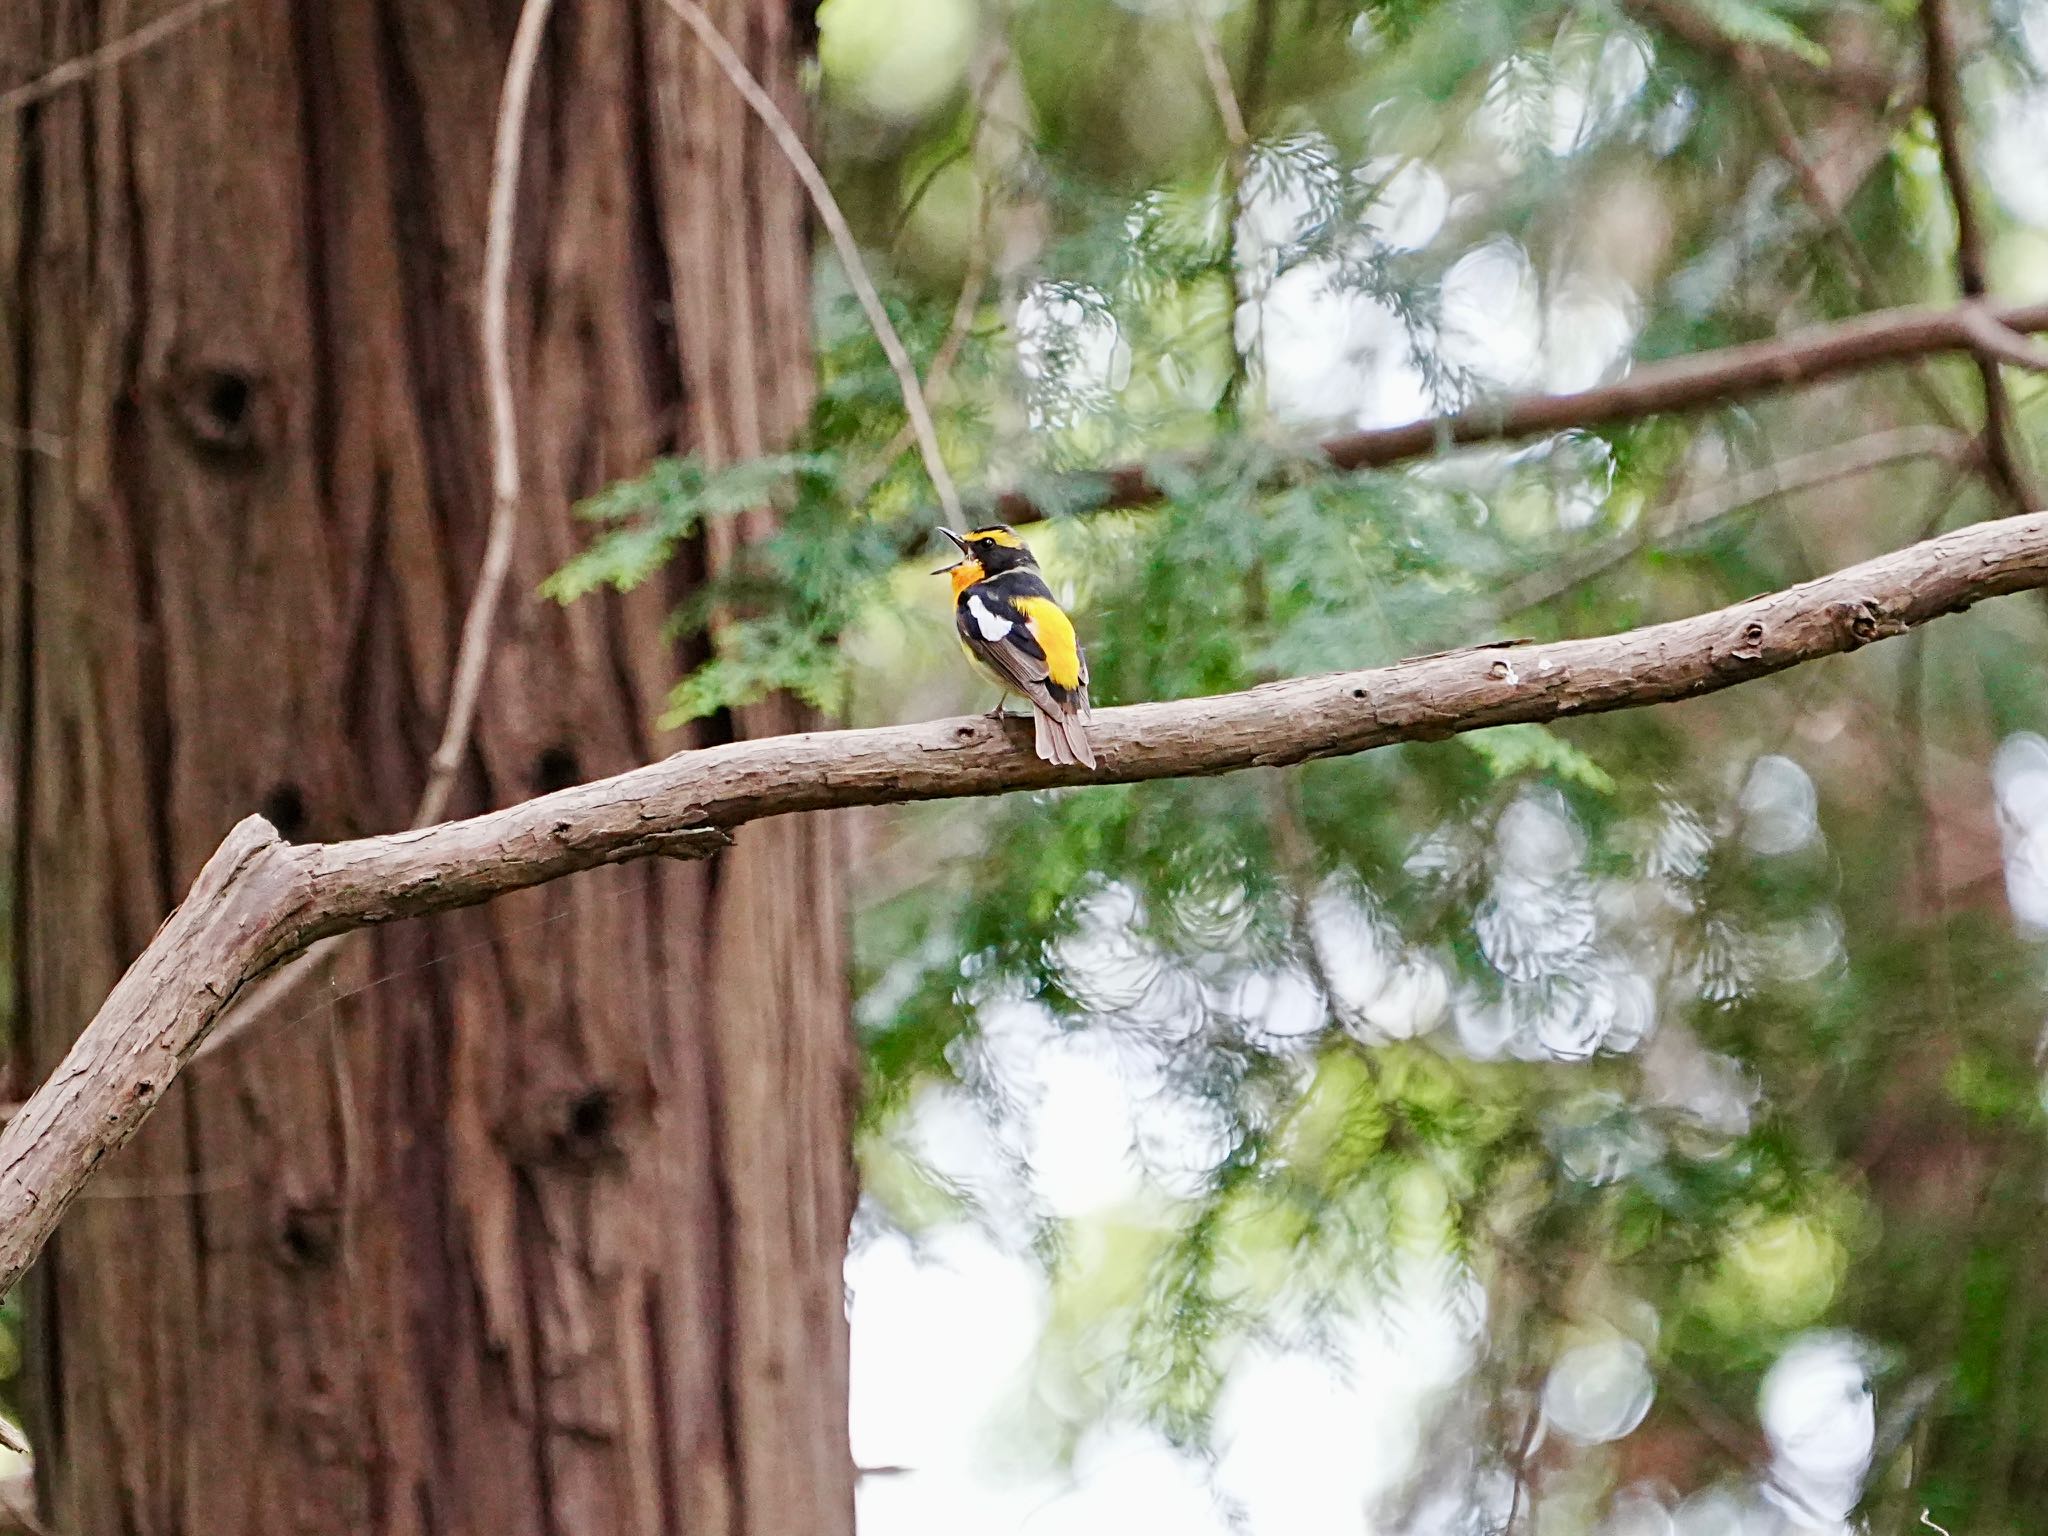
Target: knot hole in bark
222	408
586	1132
1860	620
1751	646
309	1237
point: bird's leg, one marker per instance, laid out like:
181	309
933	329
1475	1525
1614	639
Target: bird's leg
1002	709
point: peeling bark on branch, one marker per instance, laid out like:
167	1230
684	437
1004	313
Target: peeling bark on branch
259	899
1682	384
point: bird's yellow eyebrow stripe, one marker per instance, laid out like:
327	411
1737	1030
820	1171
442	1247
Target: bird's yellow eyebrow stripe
1054	632
1001	536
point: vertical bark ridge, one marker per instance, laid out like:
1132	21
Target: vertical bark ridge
544	1232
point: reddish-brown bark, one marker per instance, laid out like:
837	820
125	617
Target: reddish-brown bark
543	1234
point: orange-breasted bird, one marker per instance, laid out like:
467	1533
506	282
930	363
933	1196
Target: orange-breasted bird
1017	636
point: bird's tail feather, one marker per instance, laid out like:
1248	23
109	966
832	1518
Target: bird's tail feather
1062	740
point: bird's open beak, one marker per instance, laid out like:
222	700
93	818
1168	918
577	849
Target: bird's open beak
959	544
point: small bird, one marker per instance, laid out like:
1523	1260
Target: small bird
1017	637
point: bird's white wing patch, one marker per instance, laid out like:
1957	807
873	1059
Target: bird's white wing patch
993	625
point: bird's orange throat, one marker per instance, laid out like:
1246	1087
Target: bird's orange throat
965	575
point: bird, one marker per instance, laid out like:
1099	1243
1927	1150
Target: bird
1017	636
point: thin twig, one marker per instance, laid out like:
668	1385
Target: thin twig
473	657
791	143
1945	107
922	187
1792	150
1532	1422
2004	450
1217	68
1870	287
1689	514
1247	363
973	284
73	71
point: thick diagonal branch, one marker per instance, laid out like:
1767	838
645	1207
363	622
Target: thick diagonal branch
261	900
1682	384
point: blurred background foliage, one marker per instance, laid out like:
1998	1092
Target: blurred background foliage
1634	1125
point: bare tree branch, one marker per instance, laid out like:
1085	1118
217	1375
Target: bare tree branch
1682	384
74	71
791	143
2004	450
260	900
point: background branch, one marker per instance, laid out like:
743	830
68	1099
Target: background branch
1851	82
1682	384
1217	70
2005	452
1826	207
260	900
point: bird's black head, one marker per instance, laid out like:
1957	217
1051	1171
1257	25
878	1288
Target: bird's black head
994	548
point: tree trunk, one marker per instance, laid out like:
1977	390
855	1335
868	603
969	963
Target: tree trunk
542	1232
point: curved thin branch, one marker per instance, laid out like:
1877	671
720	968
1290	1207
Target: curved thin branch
474	654
261	900
791	143
1682	384
75	71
